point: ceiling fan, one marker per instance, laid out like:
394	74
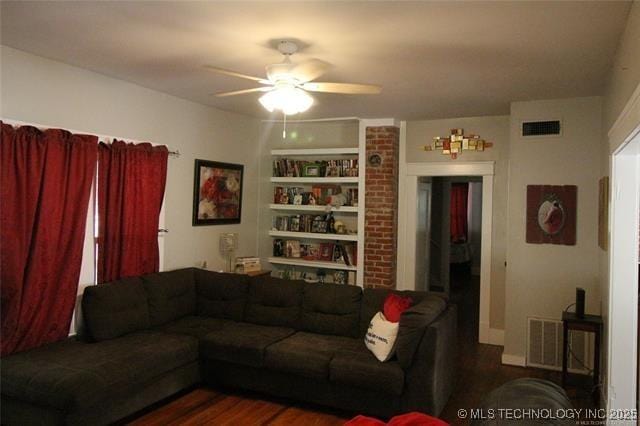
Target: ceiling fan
287	83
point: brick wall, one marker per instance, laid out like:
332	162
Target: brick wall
381	214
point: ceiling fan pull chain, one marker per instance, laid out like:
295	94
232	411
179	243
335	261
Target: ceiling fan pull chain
284	129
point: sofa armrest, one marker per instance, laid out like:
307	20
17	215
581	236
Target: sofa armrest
430	379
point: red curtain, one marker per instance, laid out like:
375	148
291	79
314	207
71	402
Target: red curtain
131	182
459	195
45	184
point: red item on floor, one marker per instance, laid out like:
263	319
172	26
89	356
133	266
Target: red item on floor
394	306
409	419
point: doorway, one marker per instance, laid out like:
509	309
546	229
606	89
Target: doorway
414	182
623	276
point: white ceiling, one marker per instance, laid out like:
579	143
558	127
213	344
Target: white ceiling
433	59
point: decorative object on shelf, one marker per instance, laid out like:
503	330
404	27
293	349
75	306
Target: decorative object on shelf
375	160
457	142
321	274
336	200
217	193
278	248
331	224
339	277
603	213
228	246
551	214
340	227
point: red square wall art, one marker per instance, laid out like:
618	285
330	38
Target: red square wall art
551	214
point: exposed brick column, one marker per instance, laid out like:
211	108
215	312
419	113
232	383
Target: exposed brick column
381	213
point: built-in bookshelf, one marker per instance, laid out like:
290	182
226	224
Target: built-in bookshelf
308	236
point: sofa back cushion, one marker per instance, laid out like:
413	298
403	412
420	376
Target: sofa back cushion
221	295
373	302
331	309
114	309
171	294
274	301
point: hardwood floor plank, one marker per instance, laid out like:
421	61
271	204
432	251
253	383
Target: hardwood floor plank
179	408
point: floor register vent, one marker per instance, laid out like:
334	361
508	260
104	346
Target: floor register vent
544	346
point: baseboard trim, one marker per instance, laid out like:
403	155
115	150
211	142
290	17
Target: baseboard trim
518	361
496	337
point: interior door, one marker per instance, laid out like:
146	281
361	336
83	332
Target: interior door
423	236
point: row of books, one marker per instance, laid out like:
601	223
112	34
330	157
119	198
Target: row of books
285	167
319	195
329	252
302	223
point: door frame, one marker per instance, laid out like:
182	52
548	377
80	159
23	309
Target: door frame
622	315
408	186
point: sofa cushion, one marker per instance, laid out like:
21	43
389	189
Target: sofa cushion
221	295
363	370
114	309
413	323
331	309
242	343
195	326
72	375
274	301
172	295
308	354
373	302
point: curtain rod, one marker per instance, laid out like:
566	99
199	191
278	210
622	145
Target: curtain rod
101	138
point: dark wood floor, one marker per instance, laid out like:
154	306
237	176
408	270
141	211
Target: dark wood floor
480	370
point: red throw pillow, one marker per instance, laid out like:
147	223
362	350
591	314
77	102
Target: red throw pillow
394	306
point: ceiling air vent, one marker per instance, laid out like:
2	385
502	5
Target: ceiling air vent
541	128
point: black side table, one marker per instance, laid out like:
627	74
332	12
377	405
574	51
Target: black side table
589	323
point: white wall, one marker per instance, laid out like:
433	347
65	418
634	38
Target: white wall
623	79
41	91
541	278
494	129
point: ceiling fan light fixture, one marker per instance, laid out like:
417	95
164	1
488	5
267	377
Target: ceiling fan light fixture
289	100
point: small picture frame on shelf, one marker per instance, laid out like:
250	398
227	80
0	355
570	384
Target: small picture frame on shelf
292	248
332	171
326	252
319	225
294	224
297	200
311	170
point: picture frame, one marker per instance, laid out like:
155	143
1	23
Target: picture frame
311	170
217	193
551	214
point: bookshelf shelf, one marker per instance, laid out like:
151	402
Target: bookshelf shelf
315	208
316	152
353	180
311	263
314	236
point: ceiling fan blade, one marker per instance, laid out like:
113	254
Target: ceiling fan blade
346	88
310	70
242	92
236	74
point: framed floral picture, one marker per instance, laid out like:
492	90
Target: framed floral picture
217	193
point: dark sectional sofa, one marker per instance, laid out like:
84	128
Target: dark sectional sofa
149	337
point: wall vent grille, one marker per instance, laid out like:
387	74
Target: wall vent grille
541	128
544	346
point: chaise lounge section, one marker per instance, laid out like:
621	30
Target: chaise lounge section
149	337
